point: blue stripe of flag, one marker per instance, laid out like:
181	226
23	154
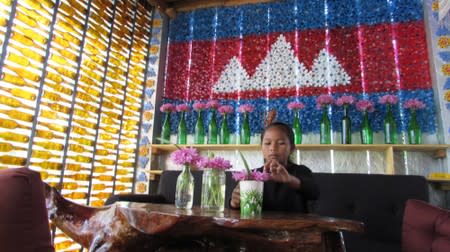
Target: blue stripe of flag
290	15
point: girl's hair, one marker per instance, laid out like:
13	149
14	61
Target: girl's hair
286	129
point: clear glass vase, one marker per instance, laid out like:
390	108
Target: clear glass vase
212	128
224	132
165	131
251	198
199	132
414	132
245	133
390	127
213	190
297	128
325	127
346	127
366	130
182	131
184	191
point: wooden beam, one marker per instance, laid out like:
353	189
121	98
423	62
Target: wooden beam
189	5
162	6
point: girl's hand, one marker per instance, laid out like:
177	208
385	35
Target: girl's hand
236	197
278	172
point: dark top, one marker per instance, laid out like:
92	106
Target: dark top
282	197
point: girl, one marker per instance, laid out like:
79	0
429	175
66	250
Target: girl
289	185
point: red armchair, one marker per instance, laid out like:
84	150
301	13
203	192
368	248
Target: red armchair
425	228
24	222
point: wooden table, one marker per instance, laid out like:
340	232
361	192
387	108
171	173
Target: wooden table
160	227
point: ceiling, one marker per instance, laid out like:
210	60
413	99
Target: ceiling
172	7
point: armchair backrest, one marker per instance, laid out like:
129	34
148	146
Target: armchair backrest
24	224
425	228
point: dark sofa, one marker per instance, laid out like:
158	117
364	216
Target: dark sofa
376	200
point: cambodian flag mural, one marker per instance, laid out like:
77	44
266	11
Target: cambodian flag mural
274	53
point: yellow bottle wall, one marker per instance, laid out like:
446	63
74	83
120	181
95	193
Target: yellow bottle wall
72	88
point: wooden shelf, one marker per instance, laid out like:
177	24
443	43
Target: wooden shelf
161	148
442	184
437	150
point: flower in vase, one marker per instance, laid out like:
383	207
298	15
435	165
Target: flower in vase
217	163
199	106
414	132
388	99
225	109
213	104
414	104
295	105
182	108
168	107
249	174
246	108
213	182
186	156
324	100
345	100
365	106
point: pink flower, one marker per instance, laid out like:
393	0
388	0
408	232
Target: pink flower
218	163
388	99
365	105
225	109
182	107
260	176
168	107
324	100
185	156
199	106
295	105
240	175
213	104
414	104
245	108
253	175
345	100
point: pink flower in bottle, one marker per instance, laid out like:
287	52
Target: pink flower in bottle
388	99
324	100
295	105
345	100
414	104
245	108
365	105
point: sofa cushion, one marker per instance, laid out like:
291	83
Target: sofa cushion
377	200
425	228
24	223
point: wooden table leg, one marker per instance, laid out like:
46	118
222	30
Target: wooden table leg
333	242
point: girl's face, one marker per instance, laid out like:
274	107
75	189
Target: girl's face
276	145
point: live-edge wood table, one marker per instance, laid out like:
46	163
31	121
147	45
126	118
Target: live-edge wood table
162	227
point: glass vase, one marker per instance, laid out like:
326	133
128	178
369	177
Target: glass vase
346	127
390	127
251	198
165	131
182	131
212	128
224	132
297	129
213	190
199	132
325	127
414	132
184	191
366	130
244	133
